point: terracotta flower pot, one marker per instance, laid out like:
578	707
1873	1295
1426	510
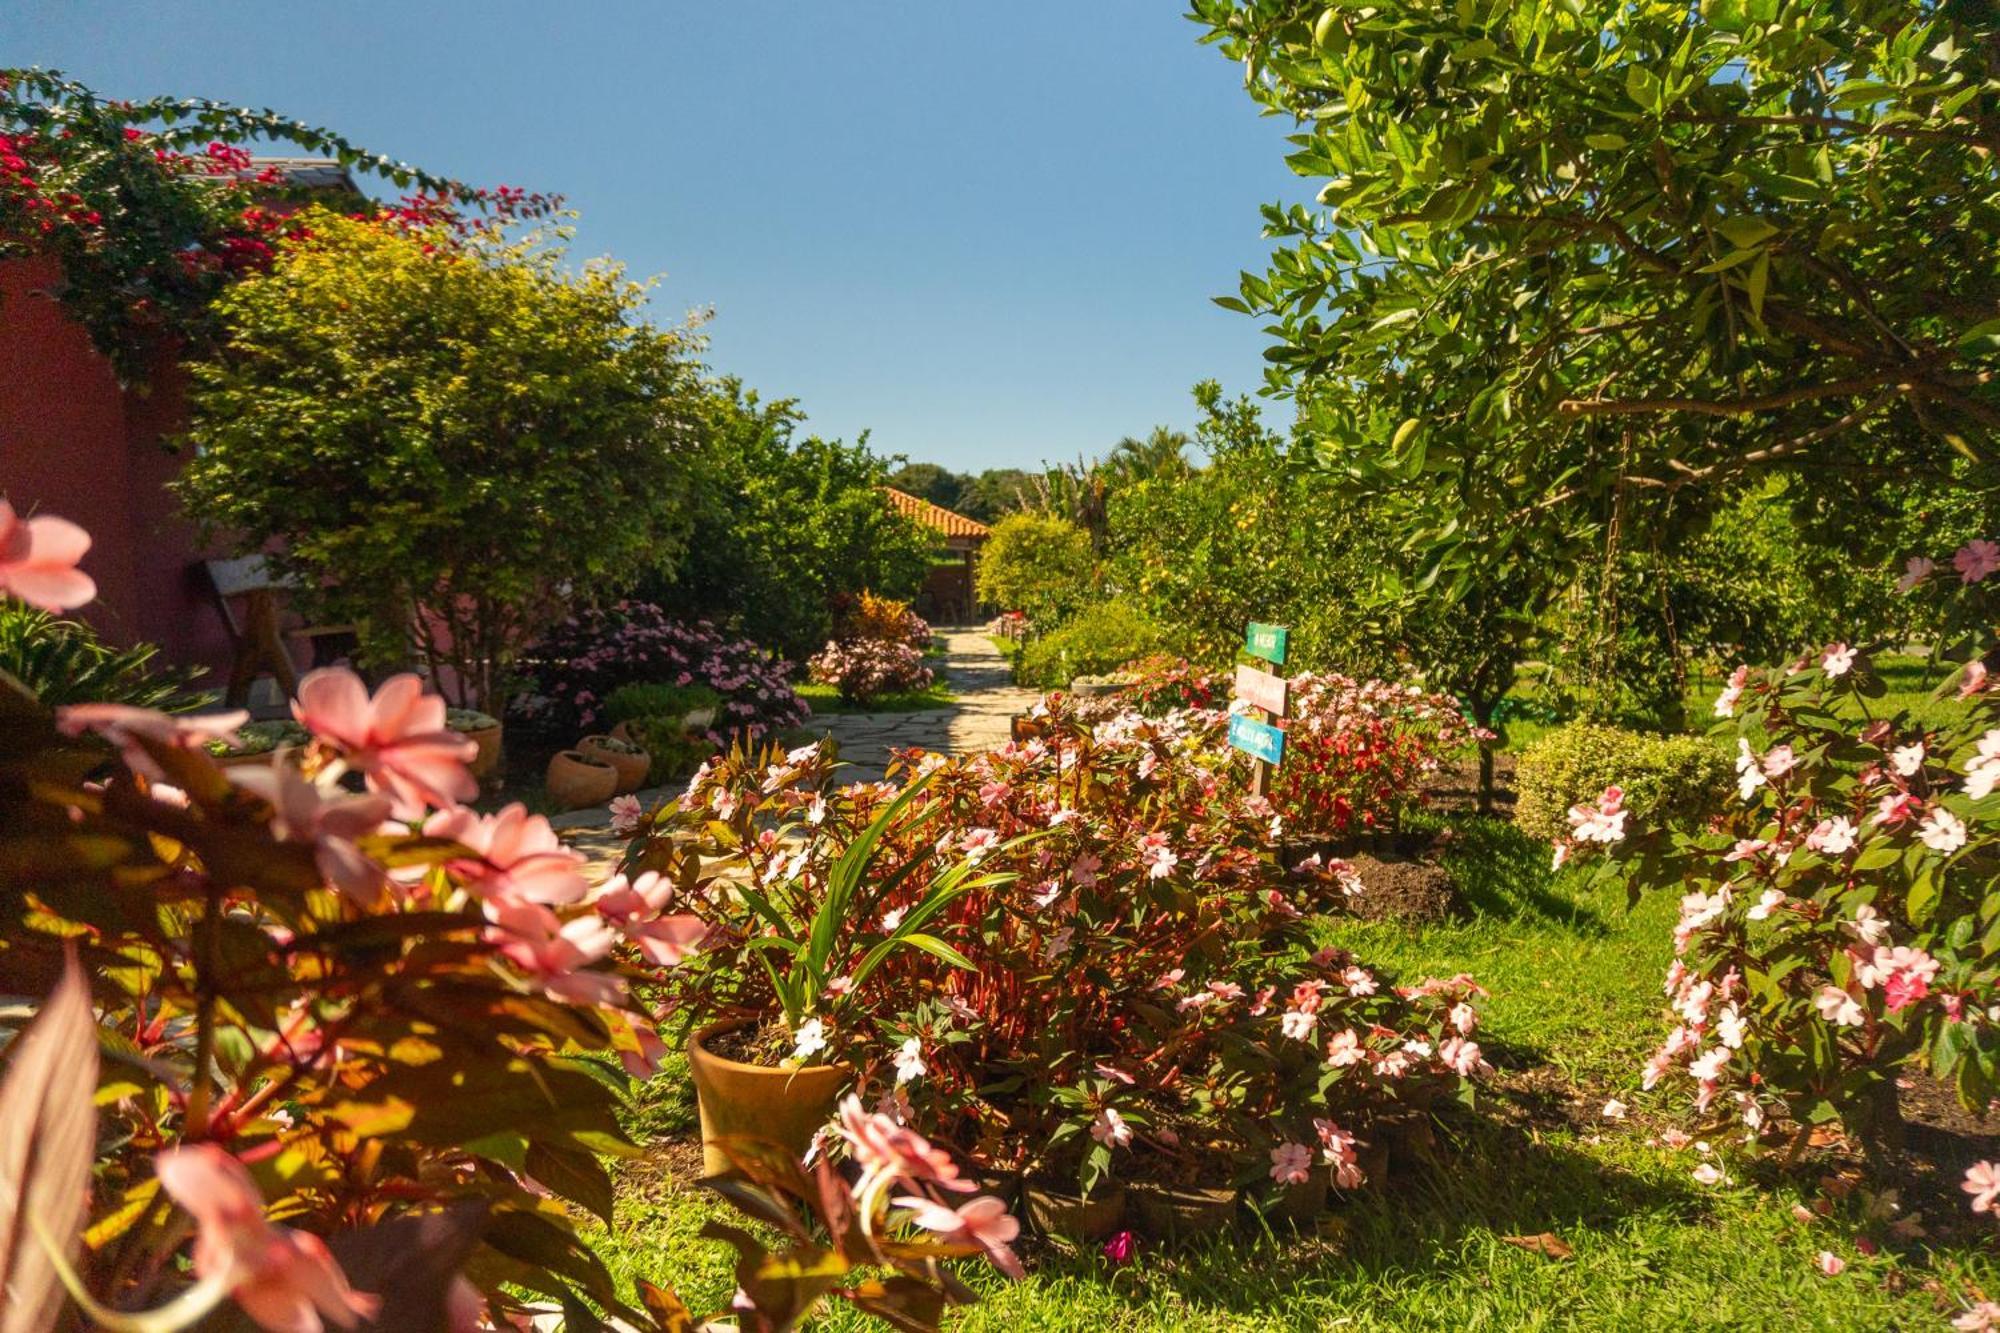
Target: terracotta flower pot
781	1106
1073	1217
1170	1212
488	759
631	768
576	780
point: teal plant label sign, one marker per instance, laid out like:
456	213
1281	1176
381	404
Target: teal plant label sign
1267	642
1259	740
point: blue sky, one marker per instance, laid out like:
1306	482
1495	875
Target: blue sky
989	234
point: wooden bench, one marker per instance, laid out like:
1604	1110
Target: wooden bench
257	641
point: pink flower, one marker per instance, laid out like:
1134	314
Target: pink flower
1830	1264
519	857
125	727
982	1222
300	812
1158	858
1298	1024
1974	679
1778	761
1837	661
556	953
1725	703
1291	1163
978	843
1121	1247
1832	837
1915	570
1976	559
38	559
889	1152
1345	1049
626	812
637	908
1462	1057
1110	1129
1982	1182
398	738
1982	1317
1359	981
284	1280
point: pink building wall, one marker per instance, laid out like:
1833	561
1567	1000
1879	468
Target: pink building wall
73	442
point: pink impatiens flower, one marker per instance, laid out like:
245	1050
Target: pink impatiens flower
1976	559
1291	1163
557	953
1725	703
637	908
284	1280
1832	837
300	812
398	739
1830	1264
982	1222
626	812
1604	822
1915	570
1158	858
1942	831
124	726
1837	661
1982	1182
519	856
1110	1129
38	558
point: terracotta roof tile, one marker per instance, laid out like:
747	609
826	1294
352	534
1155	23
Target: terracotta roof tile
936	516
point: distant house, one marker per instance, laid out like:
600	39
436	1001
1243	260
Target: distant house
949	596
75	442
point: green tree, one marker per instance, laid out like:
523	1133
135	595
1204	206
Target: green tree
940	485
1037	563
786	526
442	439
1163	453
992	494
1587	271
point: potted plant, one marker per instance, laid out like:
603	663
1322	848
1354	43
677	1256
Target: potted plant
628	757
483	730
779	984
576	779
258	741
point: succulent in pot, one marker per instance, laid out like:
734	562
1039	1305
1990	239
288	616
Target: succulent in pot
628	757
256	742
483	729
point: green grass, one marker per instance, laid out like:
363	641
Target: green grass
825	699
1575	1007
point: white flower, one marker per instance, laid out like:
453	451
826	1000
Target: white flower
1942	831
1837	1006
1298	1024
1110	1129
809	1040
1614	1109
1838	660
1771	900
1708	1065
1749	773
1905	760
1832	837
910	1061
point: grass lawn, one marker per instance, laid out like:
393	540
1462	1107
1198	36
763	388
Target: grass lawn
1575	1008
825	699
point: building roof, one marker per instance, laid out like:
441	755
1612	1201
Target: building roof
305	173
936	516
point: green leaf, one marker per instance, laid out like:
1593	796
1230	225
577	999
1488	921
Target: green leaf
1643	87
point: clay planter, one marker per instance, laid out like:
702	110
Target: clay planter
1168	1212
781	1106
576	780
631	768
1075	1218
488	758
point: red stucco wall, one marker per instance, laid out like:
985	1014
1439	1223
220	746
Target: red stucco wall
72	442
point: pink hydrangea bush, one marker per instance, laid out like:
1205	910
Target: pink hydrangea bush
864	670
1132	986
339	998
1841	918
579	663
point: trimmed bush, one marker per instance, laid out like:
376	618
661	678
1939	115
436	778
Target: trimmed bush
652	699
1100	639
1667	780
674	750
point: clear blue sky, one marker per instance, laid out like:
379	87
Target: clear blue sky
987	233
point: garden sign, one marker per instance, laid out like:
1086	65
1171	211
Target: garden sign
1256	732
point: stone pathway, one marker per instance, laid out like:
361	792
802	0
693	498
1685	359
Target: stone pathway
980	719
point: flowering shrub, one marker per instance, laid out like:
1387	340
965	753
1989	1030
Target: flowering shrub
1357	753
153	207
1127	985
583	660
864	669
884	619
1840	917
375	1014
1166	683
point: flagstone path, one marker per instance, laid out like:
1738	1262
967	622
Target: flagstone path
979	719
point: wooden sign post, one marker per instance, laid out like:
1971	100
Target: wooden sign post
1257	733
